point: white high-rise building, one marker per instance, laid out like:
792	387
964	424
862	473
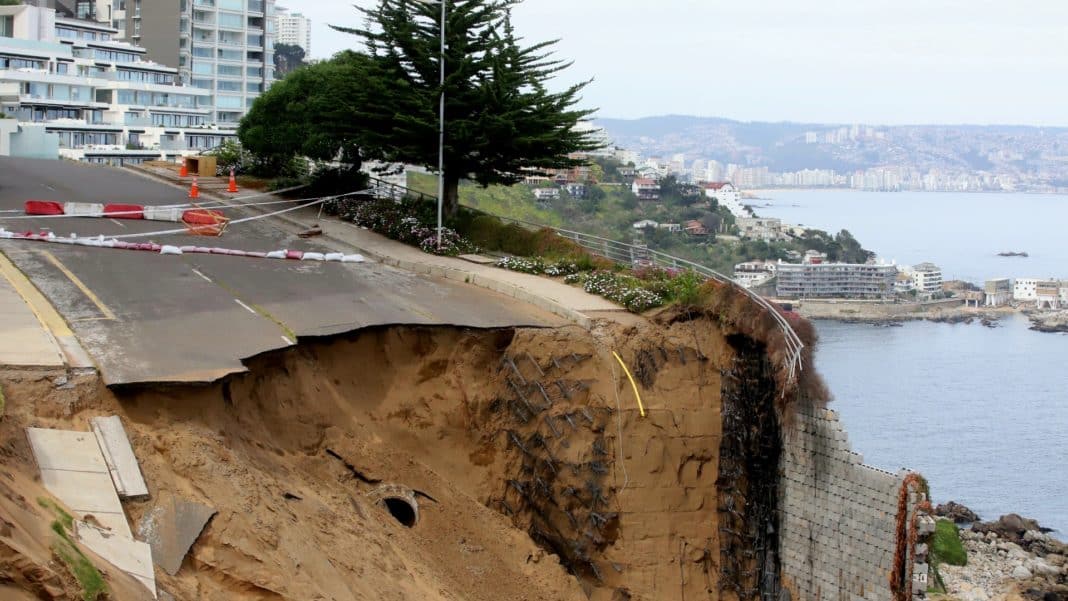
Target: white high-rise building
223	46
294	29
69	89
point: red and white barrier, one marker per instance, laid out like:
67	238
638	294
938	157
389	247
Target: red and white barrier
101	242
173	214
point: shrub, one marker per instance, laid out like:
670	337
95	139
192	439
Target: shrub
397	219
484	231
623	289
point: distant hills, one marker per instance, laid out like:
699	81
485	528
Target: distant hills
1029	154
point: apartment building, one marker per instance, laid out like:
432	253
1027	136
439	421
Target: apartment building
293	29
835	280
223	46
71	90
927	278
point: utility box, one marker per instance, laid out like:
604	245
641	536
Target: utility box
202	166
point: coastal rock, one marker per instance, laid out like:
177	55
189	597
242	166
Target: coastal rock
1011	527
1055	560
1021	573
956	512
1050	322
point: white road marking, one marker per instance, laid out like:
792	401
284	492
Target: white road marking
288	341
118	223
247	308
206	278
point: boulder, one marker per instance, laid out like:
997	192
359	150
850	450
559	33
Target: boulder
1021	573
1011	527
956	512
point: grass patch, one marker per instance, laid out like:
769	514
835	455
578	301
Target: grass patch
65	519
3	402
88	577
946	546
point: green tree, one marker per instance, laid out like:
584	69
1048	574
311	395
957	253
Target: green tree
287	58
501	119
307	114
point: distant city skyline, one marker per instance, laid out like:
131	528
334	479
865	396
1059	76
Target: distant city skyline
823	61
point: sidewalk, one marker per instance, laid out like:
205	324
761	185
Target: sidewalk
32	333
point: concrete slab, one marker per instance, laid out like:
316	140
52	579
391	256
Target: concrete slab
171	527
478	259
73	469
126	554
119	456
66	450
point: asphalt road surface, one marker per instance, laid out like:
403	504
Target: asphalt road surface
146	317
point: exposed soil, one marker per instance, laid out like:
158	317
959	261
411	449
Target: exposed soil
534	473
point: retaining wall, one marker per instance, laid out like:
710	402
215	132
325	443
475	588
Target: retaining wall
839	517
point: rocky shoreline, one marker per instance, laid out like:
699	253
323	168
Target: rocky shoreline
1055	322
1011	559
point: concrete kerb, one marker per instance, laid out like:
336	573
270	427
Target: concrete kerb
458	275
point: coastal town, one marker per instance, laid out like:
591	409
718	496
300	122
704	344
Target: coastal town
810	281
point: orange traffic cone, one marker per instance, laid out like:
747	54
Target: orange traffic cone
233	183
183	171
194	191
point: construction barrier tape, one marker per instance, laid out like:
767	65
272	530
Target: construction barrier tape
101	242
641	408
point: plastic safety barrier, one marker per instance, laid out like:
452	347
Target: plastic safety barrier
121	211
203	217
43	207
83	209
173	214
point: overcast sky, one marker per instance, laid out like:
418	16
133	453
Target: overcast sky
869	61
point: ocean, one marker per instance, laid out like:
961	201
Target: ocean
981	412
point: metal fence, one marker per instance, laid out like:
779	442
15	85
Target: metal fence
640	255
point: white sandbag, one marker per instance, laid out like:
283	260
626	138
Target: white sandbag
173	214
276	254
353	259
313	257
334	257
83	209
170	250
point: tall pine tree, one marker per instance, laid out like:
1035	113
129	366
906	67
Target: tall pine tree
501	120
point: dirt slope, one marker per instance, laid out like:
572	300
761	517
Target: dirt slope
536	477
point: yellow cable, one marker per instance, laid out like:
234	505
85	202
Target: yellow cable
641	408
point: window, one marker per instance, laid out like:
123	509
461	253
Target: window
231	20
230	71
229	86
231	55
228	102
203	68
7	26
232	4
202	52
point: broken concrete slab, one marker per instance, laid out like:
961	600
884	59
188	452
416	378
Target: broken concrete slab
171	527
66	450
74	470
119	456
126	554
